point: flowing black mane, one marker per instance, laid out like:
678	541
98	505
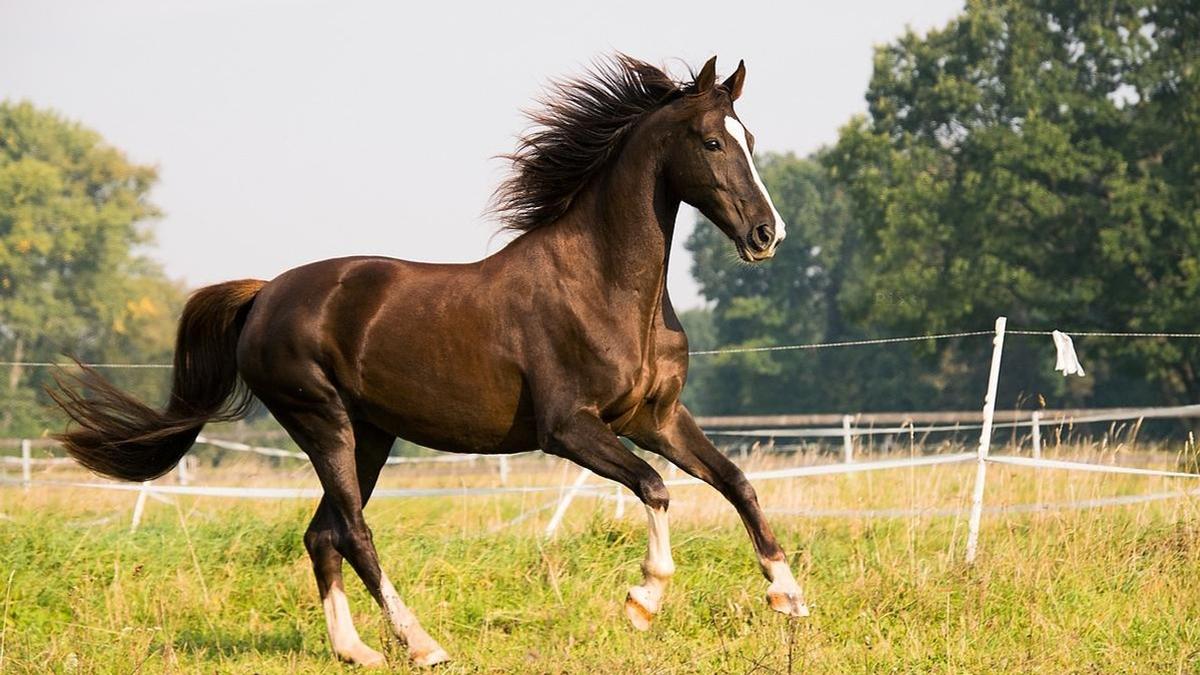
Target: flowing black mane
580	126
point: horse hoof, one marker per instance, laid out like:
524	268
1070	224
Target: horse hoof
637	610
784	602
431	658
362	655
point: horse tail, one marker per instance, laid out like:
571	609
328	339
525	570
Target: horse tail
119	436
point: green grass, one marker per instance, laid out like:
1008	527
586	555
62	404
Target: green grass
208	585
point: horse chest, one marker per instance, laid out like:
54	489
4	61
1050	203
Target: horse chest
656	380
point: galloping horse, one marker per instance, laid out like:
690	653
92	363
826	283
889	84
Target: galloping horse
564	340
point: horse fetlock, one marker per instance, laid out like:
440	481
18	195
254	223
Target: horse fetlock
658	570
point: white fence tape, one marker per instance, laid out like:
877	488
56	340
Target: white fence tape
297	493
276	452
857	467
45	461
1169	412
1080	504
579	488
1086	466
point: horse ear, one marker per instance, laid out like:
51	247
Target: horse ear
707	77
734	83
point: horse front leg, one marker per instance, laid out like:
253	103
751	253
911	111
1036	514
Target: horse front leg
585	440
681	441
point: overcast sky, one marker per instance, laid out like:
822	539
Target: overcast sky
292	131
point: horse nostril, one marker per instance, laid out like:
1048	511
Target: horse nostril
760	237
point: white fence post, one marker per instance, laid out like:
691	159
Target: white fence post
847	440
620	510
139	506
565	501
504	469
1036	433
985	439
26	463
181	471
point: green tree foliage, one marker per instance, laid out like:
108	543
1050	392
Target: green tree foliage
796	298
72	277
1037	159
1033	159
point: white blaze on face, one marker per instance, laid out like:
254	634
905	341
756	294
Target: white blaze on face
738	132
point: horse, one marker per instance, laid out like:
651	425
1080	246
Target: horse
565	340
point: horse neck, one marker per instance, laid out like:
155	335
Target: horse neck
624	222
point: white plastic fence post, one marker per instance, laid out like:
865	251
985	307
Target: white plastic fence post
26	463
1036	429
620	510
504	469
985	439
847	440
565	501
181	471
139	506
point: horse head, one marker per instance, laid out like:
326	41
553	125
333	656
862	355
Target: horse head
710	165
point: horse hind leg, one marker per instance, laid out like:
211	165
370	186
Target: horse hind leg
327	567
347	460
372	447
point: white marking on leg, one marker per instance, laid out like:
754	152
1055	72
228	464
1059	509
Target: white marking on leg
346	643
659	563
738	132
422	649
784	594
644	601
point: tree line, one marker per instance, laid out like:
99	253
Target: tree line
1036	159
75	277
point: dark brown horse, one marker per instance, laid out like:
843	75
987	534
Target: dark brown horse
564	340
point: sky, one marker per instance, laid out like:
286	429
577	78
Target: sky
286	132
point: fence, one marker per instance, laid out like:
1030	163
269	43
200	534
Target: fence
771	427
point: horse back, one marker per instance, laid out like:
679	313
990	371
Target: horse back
418	349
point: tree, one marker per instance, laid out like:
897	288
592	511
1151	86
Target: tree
1033	159
72	221
1037	159
795	298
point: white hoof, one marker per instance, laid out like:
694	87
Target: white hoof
430	658
640	607
787	600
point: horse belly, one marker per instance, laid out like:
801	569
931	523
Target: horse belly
477	408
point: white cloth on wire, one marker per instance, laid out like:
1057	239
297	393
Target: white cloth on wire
1067	361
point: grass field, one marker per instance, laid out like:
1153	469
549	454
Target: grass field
219	585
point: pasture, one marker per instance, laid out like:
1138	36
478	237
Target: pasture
223	585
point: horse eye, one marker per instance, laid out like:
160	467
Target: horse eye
712	144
